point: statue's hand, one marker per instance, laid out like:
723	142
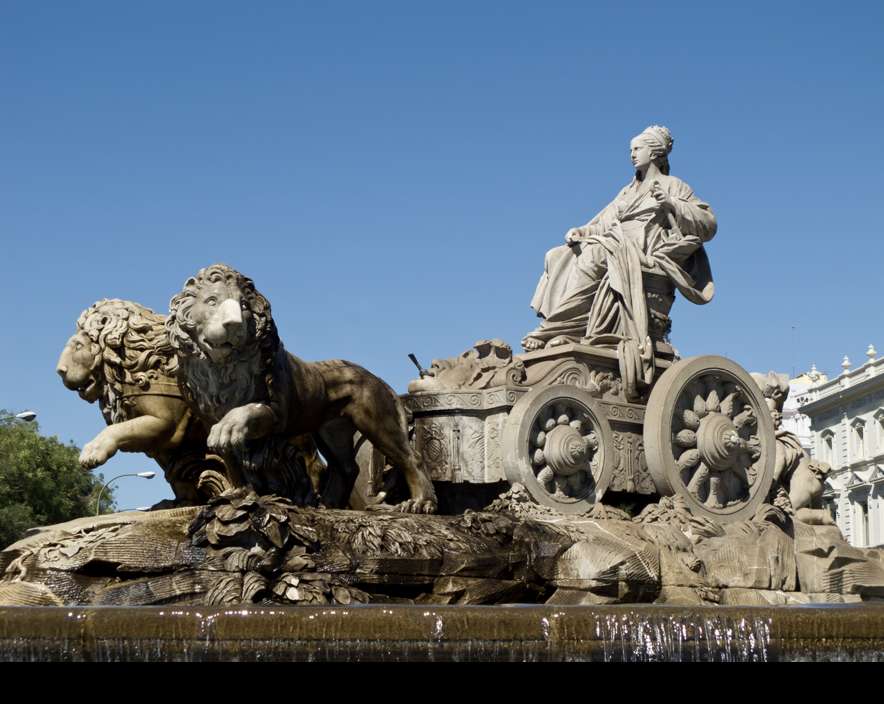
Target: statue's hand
662	198
573	236
97	451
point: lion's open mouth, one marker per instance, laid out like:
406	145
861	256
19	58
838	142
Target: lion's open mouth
224	346
219	350
89	391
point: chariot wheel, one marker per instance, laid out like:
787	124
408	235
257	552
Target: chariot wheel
709	438
557	443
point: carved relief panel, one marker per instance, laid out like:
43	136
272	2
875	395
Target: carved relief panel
630	468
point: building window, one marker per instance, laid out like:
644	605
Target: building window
828	447
859	439
862	537
879	417
832	508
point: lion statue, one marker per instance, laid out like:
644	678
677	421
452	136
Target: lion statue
255	396
120	357
487	363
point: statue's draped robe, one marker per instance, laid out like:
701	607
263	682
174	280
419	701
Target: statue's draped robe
594	289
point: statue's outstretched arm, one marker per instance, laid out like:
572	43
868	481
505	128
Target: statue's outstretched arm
595	227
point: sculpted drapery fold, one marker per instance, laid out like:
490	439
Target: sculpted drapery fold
593	288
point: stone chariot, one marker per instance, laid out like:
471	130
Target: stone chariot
561	424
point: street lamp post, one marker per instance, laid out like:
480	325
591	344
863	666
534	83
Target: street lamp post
26	416
143	475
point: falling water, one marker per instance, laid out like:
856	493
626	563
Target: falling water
642	633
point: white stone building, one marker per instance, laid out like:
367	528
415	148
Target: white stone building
846	417
793	419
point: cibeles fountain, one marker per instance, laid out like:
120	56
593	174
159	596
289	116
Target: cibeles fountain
595	497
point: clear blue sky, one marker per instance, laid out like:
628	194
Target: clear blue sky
391	173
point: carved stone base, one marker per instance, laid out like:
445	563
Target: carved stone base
246	549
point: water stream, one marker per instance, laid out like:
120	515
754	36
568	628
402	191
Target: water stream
443	633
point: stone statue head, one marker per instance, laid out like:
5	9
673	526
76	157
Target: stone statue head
775	389
218	315
652	145
118	343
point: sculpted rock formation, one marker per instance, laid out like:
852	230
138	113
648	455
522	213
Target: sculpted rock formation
120	357
247	549
257	398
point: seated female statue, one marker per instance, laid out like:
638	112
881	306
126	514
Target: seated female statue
592	290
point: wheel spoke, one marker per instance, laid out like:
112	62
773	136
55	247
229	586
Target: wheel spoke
713	400
698	480
688	459
735	489
729	405
686	439
754	449
716	498
739	472
576	482
690	419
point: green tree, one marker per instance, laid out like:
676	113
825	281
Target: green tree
41	481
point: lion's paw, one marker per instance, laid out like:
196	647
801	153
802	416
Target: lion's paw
96	452
417	506
230	432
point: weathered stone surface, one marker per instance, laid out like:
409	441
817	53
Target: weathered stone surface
761	558
826	563
688	596
768	597
27	594
470	590
679	566
244	548
613	555
580	597
176	587
247	549
737	596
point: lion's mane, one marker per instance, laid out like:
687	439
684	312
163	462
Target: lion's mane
130	346
212	386
256	372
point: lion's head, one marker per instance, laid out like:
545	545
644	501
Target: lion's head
219	316
117	343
